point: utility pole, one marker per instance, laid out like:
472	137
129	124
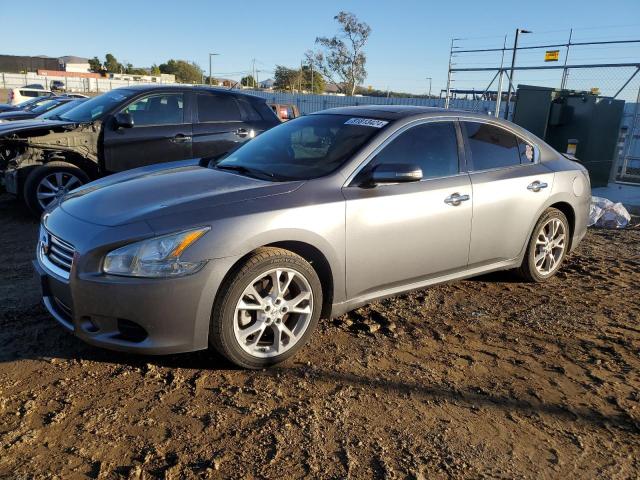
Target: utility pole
210	68
253	72
565	72
513	65
429	78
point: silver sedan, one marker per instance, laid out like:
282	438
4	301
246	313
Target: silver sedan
309	220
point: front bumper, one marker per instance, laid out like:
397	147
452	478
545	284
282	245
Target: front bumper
150	316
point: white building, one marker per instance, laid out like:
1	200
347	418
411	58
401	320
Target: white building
70	63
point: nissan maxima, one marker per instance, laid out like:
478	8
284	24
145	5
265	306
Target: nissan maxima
313	218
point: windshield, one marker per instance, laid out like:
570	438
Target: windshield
95	107
45	106
29	105
304	148
55	113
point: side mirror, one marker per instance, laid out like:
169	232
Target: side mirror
395	173
123	120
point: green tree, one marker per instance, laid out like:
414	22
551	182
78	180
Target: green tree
155	70
185	72
112	65
248	81
95	65
343	59
286	78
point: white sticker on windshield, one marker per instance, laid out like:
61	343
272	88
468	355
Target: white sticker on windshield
366	122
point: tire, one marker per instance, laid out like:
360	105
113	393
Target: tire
528	270
230	322
34	184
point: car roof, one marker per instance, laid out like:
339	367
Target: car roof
397	112
195	88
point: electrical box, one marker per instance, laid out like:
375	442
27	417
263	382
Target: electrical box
580	123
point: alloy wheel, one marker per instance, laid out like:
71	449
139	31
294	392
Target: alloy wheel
54	186
550	246
273	312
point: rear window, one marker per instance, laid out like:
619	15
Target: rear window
217	108
491	146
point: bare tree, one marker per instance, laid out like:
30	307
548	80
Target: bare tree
343	59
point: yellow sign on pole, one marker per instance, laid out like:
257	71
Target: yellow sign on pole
552	55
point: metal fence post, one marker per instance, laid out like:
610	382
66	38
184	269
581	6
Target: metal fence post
499	96
446	98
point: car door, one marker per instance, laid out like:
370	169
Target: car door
219	125
510	186
161	132
404	233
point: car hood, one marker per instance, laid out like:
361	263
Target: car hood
169	189
33	123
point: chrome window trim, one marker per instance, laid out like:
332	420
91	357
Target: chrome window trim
392	137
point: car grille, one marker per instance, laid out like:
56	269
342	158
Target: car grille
56	253
60	253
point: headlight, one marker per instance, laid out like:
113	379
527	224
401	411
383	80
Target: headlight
156	257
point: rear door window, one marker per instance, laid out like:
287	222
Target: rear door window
247	111
491	146
217	108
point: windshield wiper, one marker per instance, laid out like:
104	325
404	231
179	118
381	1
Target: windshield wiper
252	172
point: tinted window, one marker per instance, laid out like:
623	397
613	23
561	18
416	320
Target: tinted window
491	147
30	93
217	108
248	112
161	109
304	148
431	146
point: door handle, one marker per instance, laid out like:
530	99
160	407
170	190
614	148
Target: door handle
536	186
456	199
242	132
181	138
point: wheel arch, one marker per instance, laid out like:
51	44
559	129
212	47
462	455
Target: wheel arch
319	263
311	254
88	166
568	212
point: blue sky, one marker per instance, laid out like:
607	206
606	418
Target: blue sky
409	42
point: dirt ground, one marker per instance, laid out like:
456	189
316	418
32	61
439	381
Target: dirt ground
489	377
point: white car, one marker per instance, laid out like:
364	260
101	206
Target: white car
19	95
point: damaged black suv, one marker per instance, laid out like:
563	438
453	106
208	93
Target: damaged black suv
122	129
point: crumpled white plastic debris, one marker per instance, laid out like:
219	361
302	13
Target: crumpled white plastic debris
606	214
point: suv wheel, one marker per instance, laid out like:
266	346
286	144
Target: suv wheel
547	247
266	309
47	183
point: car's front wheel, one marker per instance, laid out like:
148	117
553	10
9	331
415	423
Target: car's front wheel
46	184
267	308
547	247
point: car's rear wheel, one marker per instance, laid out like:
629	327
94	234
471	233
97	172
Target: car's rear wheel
266	309
547	247
47	183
